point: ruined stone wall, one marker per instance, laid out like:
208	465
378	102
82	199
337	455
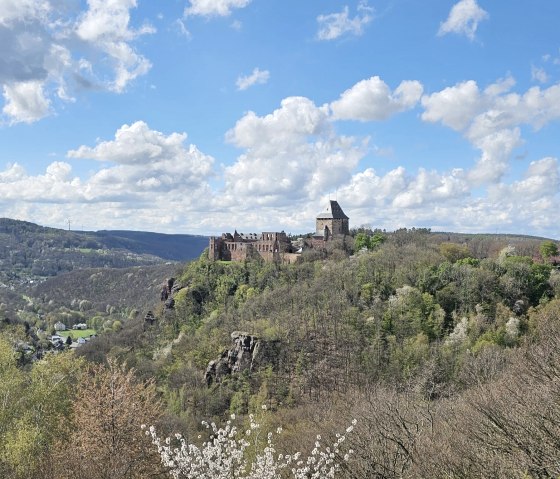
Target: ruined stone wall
336	227
340	227
215	248
237	248
321	226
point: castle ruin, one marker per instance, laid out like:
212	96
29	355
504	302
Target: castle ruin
274	246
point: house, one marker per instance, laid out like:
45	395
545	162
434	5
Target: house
57	341
81	326
58	326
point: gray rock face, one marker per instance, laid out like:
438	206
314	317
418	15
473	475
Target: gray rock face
169	289
248	353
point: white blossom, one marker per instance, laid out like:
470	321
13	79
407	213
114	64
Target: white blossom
223	455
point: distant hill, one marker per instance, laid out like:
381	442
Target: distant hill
175	247
29	251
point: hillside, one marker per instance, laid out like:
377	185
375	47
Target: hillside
102	288
418	335
29	251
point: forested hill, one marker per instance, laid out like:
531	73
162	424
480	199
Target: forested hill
444	348
28	250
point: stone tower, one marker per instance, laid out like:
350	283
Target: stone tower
332	222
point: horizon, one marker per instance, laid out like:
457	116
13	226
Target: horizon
210	115
287	232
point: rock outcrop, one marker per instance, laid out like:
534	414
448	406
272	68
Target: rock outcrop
169	289
247	354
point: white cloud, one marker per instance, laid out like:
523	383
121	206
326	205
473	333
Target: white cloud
490	119
539	74
145	176
45	46
182	28
454	106
208	8
16	10
463	19
106	25
146	160
55	186
496	150
257	77
541	180
399	191
334	25
373	100
291	155
445	201
25	102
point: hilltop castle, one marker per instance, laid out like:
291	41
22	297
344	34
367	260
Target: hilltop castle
274	246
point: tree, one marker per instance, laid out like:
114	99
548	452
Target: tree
363	240
33	405
454	252
105	440
231	452
548	249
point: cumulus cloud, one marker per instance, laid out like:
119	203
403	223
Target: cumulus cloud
146	161
257	77
221	8
106	26
444	200
541	180
144	174
463	19
25	101
50	49
334	25
372	99
399	190
490	119
454	106
292	154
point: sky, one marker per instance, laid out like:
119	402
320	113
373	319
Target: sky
205	116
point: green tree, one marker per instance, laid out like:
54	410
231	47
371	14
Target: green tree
33	406
361	241
548	249
454	252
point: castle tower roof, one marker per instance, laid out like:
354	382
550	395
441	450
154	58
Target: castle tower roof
333	211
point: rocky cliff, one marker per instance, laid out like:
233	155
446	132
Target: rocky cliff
247	354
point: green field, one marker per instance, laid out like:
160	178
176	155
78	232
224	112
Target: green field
77	333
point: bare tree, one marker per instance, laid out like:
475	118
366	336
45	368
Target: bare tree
105	440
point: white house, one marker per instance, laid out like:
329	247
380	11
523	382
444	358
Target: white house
58	326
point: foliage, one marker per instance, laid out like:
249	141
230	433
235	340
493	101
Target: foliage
548	249
454	252
33	409
370	242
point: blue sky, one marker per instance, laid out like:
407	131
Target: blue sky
202	116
